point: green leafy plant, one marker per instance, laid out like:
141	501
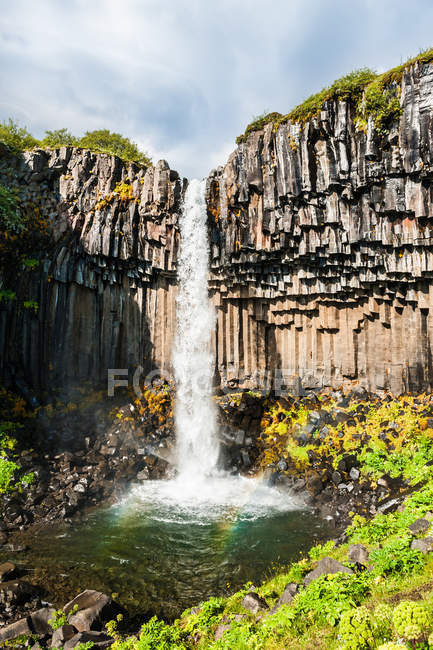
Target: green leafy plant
411	620
326	598
104	141
61	618
31	263
32	305
10	216
382	103
7	471
16	137
383	621
157	634
396	556
321	550
7	295
59	138
356	629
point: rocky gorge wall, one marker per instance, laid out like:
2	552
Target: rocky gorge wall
105	286
322	257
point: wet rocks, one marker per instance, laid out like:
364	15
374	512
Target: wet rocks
16	592
99	640
94	609
87	615
66	482
62	634
7	571
313	482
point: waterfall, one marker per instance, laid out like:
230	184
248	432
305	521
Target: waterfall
195	414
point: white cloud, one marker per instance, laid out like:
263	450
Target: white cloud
184	77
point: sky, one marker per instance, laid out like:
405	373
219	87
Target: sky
183	78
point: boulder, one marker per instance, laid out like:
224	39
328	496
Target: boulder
14	630
99	640
288	594
425	544
324	567
358	553
388	506
61	635
314	483
253	603
7	570
220	631
419	526
16	592
39	620
36	623
94	610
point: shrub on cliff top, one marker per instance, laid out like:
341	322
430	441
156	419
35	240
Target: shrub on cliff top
19	139
104	141
16	137
59	138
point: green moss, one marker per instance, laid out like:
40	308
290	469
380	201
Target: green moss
371	94
258	123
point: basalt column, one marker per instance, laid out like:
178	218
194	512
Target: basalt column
104	288
322	250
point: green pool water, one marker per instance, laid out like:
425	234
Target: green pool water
166	546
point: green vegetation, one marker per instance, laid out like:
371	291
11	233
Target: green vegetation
59	138
388	604
371	95
24	233
10	216
122	191
61	618
18	139
13	416
104	141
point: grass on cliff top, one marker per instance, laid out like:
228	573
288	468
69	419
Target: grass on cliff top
19	139
352	87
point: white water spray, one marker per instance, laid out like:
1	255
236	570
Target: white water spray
195	416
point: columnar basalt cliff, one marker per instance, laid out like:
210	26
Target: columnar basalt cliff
322	250
104	290
321	256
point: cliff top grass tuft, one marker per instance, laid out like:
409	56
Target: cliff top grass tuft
371	94
18	139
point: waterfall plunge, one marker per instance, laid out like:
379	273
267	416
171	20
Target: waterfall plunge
195	416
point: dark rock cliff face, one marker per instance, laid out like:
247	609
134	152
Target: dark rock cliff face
322	250
321	257
106	287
